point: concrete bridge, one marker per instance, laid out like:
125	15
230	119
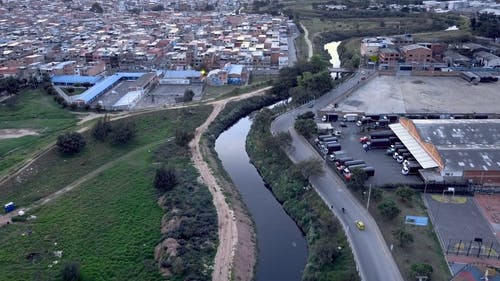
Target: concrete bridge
340	70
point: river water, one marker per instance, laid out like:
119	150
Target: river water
331	48
282	249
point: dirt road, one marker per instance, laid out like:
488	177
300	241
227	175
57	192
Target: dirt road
308	42
228	232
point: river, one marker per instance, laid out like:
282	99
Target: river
282	249
331	48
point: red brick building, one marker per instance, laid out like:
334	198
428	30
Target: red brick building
416	54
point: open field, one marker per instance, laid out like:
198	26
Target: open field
38	180
36	111
425	247
417	94
110	225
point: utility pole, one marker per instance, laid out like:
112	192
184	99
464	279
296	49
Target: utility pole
369	195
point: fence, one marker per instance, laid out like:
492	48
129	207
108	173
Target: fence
473	248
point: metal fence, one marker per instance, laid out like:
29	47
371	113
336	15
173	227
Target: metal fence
473	248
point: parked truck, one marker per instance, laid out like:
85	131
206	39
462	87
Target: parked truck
379	143
330	117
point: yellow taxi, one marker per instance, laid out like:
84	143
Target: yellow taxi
360	225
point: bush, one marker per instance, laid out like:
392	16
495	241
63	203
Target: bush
306	127
101	129
182	138
70	143
71	272
188	96
165	178
421	269
123	132
404	237
405	193
389	209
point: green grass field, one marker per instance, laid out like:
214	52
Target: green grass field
424	249
34	110
39	180
110	225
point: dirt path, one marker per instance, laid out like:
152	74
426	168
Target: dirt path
7	218
228	232
308	42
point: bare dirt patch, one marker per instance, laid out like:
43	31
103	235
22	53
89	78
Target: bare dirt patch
17	133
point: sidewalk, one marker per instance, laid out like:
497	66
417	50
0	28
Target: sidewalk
473	260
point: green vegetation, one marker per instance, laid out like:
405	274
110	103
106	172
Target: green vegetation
425	247
73	91
487	25
189	227
165	178
36	111
306	127
39	181
70	143
113	224
421	269
109	225
329	254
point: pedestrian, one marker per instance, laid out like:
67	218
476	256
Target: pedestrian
365	147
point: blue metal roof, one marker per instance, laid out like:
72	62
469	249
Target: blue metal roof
104	85
182	74
73	79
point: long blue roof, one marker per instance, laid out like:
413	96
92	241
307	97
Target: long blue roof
104	85
73	79
235	69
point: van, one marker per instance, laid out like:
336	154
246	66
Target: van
351	117
353	162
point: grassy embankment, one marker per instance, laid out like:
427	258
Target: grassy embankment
329	257
76	90
33	110
256	82
110	224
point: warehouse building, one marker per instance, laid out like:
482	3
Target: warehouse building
464	151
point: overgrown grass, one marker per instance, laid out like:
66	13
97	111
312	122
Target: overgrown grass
424	249
110	225
75	92
190	219
329	257
33	110
39	180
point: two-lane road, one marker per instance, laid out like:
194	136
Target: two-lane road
373	258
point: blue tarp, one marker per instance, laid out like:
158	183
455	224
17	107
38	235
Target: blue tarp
421	221
73	79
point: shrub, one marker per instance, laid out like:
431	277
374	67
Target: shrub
421	269
123	132
188	96
165	178
182	138
70	143
405	193
389	209
306	127
404	237
71	272
101	129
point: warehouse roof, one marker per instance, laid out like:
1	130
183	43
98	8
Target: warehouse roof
422	157
182	74
472	144
104	85
73	79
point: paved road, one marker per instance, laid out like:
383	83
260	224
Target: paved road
372	255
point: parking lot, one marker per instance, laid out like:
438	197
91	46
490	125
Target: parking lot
417	94
387	170
167	94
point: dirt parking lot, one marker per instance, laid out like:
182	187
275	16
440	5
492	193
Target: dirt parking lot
417	94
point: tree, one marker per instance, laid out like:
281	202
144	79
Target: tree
421	269
188	95
283	140
389	209
306	127
96	8
310	167
182	138
70	143
165	178
71	272
358	179
306	115
101	129
123	132
404	237
405	193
